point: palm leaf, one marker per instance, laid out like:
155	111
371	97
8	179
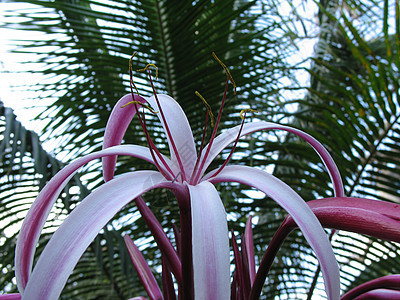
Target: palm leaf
85	73
352	108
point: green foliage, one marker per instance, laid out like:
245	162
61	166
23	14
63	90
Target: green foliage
352	107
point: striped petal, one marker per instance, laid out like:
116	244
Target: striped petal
210	244
300	212
40	209
181	136
230	135
117	124
386	287
75	234
375	218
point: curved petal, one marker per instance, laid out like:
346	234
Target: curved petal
389	209
117	124
40	209
379	286
300	212
181	136
230	135
75	234
380	294
375	218
210	244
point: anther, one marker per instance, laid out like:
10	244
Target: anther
147	67
207	106
141	104
226	71
244	111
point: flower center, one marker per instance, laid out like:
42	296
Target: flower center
203	152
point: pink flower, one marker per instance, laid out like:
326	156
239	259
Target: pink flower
202	266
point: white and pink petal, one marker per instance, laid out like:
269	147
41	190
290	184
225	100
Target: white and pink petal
289	200
75	234
40	209
230	135
181	143
210	243
117	124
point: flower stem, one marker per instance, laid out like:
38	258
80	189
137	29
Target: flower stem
277	240
187	285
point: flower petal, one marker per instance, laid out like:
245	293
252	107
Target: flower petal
380	294
300	212
75	234
249	247
230	135
117	124
389	209
143	270
375	218
379	288
181	133
211	262
38	213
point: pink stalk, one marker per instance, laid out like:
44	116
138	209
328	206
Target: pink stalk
187	290
10	297
168	284
241	280
267	260
234	288
143	270
249	253
380	294
177	235
161	239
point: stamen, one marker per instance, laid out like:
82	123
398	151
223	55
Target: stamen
229	78
226	71
200	150
147	67
244	111
176	177
236	142
209	111
154	151
152	147
196	178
